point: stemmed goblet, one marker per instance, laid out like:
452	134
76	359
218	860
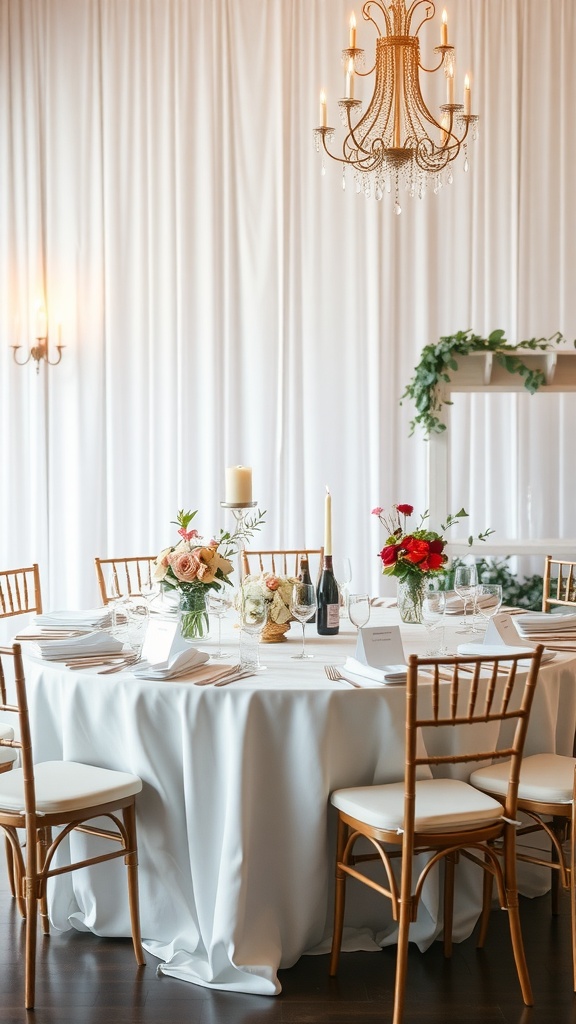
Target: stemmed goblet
465	582
488	599
218	604
358	609
302	607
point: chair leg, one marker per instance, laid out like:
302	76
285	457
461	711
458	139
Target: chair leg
449	870
129	817
486	909
339	899
10	866
571	876
514	915
31	931
558	827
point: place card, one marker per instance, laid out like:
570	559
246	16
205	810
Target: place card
379	646
501	630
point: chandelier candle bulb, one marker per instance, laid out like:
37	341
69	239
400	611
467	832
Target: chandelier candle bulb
352	31
350	80
444	29
467	96
450	86
323	118
328	523
239	485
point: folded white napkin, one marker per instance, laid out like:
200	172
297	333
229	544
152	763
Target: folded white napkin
498	649
188	660
455	604
97	618
544	622
97	642
384	674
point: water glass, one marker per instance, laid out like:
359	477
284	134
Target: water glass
253	618
219	602
358	609
137	612
433	610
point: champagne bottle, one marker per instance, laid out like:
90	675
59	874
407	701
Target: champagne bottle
304	577
328	596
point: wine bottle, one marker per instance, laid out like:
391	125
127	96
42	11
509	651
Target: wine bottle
328	598
304	577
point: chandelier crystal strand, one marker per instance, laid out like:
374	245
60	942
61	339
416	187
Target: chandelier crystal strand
397	136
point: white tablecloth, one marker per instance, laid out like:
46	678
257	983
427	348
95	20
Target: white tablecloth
236	833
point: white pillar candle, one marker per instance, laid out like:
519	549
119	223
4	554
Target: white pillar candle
352	31
328	523
239	485
323	115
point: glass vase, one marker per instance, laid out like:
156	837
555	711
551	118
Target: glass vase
410	597
194	618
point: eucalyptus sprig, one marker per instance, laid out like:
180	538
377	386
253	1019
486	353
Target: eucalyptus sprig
231	542
439	358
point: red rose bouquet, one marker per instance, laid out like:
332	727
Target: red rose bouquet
415	555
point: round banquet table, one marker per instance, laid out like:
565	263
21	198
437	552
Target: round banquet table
236	832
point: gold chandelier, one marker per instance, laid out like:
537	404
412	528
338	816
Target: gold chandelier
397	139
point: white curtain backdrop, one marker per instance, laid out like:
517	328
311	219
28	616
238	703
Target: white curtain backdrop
222	302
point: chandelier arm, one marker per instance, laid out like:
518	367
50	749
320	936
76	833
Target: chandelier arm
431	71
383	10
430	12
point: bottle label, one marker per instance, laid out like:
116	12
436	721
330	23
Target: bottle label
332	615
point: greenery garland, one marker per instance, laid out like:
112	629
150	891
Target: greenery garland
438	359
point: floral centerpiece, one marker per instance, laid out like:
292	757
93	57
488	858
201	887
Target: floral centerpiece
193	567
277	592
413	556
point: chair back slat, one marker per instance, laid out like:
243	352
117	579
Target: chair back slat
20	591
122	577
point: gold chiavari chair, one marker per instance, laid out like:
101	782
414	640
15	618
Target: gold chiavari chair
441	816
67	796
121	577
20	594
563	584
283	562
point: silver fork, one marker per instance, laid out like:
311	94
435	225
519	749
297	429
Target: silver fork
335	675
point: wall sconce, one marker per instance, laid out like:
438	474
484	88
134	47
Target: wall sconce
39	351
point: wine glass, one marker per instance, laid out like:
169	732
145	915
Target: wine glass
358	609
433	609
219	602
253	617
488	599
343	573
465	582
303	606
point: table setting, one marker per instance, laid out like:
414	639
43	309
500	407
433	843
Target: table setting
239	742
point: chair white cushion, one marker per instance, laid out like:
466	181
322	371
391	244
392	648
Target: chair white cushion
63	786
442	805
545	777
7	754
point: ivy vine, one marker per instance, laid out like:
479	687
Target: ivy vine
437	360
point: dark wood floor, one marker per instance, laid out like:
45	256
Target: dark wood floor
85	980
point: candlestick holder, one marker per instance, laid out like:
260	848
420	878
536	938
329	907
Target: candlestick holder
239	511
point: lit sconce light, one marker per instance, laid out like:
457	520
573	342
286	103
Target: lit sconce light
39	351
